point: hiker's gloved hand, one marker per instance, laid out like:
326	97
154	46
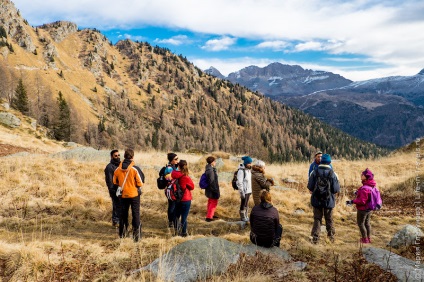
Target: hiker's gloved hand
119	192
350	202
271	180
378	207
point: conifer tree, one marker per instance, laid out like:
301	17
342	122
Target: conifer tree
20	100
62	129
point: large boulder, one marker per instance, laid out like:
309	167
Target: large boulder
201	258
9	119
406	236
404	269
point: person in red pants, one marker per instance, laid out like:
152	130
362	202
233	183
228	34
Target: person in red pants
212	191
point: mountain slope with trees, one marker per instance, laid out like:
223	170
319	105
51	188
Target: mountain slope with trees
133	94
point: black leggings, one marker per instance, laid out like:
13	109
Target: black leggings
245	202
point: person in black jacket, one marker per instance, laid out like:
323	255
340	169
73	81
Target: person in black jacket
109	170
323	184
266	229
212	191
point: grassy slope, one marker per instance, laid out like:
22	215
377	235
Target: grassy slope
55	217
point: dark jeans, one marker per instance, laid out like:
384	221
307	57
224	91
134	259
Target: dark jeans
244	204
116	206
363	219
171	211
268	243
134	203
181	213
328	215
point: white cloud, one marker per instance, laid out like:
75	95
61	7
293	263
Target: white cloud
133	37
389	32
175	40
276	45
220	44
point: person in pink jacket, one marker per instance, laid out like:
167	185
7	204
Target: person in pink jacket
363	197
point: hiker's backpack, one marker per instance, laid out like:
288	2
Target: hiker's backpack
174	191
203	183
234	181
375	202
161	181
322	190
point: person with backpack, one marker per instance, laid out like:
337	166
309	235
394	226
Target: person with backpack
259	182
317	160
164	180
266	229
323	184
244	185
129	178
109	170
182	206
367	199
212	189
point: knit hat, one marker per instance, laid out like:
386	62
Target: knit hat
326	159
368	174
171	156
247	160
260	163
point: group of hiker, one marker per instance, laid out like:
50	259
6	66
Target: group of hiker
125	179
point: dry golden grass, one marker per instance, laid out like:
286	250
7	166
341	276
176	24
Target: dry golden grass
55	218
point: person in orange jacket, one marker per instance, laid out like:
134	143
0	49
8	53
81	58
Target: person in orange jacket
129	178
182	208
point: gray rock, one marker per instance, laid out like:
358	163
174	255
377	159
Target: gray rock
201	258
289	180
9	119
6	106
403	268
281	188
299	211
84	154
405	237
71	144
219	163
225	176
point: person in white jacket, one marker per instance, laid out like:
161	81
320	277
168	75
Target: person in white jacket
244	185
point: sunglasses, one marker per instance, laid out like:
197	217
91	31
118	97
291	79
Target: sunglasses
115	156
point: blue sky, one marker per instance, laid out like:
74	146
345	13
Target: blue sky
360	40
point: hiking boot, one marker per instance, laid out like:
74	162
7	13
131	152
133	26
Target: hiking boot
315	240
331	238
208	219
242	218
184	235
216	217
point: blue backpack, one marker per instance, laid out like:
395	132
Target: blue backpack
203	183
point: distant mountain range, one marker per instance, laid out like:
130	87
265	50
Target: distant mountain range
387	111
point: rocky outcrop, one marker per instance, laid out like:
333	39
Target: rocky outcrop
407	236
404	269
9	119
15	26
60	30
202	258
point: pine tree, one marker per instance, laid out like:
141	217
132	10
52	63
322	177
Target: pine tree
62	130
20	100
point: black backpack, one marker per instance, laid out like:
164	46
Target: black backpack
234	181
322	190
161	181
